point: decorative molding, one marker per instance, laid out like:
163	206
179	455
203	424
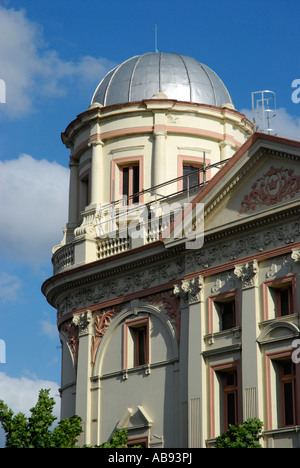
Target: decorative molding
102	320
82	321
247	273
275	186
70	330
172	304
280	267
225	251
296	255
189	290
224	282
117	287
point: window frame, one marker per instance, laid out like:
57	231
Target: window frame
116	182
192	161
216	395
271	290
214	301
274	390
129	332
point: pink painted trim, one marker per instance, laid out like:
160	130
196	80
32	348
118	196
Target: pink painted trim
212	370
135	323
125	162
192	160
231	265
268	358
277	282
233	161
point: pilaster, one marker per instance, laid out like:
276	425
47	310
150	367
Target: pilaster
191	294
251	386
83	390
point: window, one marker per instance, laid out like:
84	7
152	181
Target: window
282	389
230	397
223	315
136	343
284	301
279	297
191	176
287	377
84	191
130	183
225	396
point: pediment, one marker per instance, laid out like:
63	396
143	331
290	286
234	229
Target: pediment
262	178
272	183
135	419
278	331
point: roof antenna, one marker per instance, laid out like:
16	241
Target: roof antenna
156	50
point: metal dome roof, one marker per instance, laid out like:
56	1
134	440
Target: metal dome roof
178	76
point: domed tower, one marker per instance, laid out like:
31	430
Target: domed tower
158	129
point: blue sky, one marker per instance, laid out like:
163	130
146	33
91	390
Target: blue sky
52	56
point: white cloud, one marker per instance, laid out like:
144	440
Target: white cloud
33	210
31	69
21	394
284	124
49	329
10	286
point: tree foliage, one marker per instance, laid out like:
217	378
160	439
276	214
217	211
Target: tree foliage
245	435
34	431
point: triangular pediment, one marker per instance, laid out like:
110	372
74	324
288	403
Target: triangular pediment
135	419
262	178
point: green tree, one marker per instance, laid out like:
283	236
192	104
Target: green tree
118	440
34	431
245	435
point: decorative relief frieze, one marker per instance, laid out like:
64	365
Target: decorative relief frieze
102	320
70	331
225	251
223	282
279	268
275	186
247	273
172	306
140	280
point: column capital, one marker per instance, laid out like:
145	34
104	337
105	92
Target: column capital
190	290
247	272
157	132
95	142
82	321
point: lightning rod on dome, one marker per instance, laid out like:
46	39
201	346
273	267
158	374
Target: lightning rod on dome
156	49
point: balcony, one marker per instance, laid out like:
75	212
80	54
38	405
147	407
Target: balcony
111	229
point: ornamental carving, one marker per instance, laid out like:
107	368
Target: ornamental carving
274	187
247	273
102	320
172	305
82	322
70	330
296	255
189	290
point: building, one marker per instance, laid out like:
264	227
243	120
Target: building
166	330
